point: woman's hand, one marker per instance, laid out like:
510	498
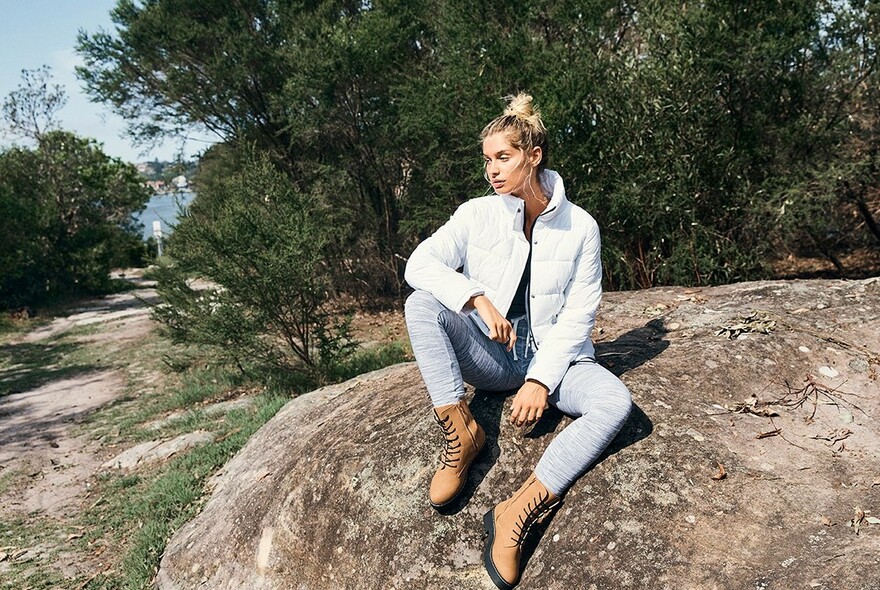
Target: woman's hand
529	403
500	330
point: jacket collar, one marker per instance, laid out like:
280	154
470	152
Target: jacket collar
552	183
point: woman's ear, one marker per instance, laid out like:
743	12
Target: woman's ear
536	156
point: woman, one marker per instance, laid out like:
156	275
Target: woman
518	316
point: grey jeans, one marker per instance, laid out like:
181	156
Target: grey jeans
450	349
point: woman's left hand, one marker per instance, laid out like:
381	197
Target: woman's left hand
529	404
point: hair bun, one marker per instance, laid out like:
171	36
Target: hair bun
522	126
521	107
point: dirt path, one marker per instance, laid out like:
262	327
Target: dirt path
36	440
51	380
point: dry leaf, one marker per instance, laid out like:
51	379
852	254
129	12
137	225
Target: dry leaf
872	520
826	521
857	519
73	536
721	474
753	322
656	309
876	482
776	432
3	556
751	405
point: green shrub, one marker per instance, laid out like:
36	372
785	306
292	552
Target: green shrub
263	276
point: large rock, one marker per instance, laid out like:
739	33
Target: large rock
332	493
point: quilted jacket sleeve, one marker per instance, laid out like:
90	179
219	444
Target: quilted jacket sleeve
575	321
431	267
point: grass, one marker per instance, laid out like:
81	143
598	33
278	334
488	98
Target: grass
29	571
8	479
141	512
13	326
134	514
371	359
125	419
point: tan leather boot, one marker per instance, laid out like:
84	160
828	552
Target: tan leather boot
464	439
507	526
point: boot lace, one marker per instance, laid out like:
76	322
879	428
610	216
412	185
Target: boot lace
449	456
534	512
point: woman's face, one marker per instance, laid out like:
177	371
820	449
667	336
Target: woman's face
508	168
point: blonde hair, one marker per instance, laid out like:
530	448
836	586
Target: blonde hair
522	124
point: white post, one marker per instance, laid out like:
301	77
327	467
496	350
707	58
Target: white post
157	233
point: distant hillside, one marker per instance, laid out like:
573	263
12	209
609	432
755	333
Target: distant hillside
165	171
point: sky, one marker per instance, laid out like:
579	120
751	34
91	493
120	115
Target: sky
34	33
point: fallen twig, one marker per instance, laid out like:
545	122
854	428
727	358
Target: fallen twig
770	433
835	436
782	436
813	391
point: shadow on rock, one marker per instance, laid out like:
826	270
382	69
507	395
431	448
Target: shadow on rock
536	534
633	349
637	427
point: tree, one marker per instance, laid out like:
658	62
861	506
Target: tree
70	218
308	83
833	204
30	110
66	206
175	64
683	127
22	225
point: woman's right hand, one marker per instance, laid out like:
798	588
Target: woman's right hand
500	330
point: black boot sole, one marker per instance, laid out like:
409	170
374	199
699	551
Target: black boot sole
489	528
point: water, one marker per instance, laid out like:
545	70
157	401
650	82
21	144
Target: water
165	209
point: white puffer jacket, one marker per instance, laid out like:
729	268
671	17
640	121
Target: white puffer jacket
484	237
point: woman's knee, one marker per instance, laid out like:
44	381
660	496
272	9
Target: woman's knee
620	403
421	304
593	389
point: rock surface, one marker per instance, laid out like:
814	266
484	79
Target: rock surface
332	493
155	451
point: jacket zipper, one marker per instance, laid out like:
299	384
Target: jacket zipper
533	343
